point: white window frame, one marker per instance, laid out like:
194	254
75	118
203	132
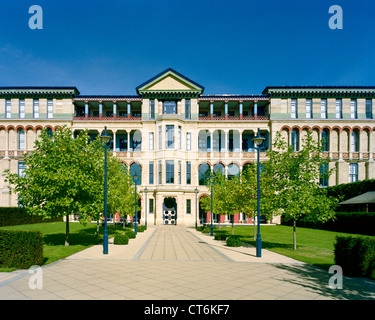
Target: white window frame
353	109
8	108
36	108
188	141
338	108
22	108
353	172
50	108
323	108
308	108
294	108
151	141
21	140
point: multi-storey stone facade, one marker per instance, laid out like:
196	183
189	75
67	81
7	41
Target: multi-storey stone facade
175	135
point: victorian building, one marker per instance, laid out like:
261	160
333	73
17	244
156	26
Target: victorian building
174	135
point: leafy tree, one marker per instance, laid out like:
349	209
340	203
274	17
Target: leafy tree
295	179
58	179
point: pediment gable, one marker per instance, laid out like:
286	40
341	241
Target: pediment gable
169	81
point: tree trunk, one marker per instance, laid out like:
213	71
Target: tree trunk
254	228
294	236
67	231
233	227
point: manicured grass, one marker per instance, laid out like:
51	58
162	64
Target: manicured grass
314	246
81	237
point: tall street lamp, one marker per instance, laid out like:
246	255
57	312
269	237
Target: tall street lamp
135	178
145	191
196	191
212	180
104	139
258	140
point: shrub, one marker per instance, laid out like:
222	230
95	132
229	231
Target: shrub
121	239
234	241
355	255
141	228
221	235
21	249
13	216
131	234
206	230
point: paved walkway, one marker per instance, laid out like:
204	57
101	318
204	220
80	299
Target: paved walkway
172	262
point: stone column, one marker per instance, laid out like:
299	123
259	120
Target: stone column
114	109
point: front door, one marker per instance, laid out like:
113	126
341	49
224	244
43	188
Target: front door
170	211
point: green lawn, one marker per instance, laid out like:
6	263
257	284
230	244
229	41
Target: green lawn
313	246
81	237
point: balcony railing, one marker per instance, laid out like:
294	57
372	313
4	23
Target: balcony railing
117	118
233	118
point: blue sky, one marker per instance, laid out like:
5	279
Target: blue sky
233	47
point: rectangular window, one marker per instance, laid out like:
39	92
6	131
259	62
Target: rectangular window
160	172
152	109
188	141
36	108
308	108
151	141
22	108
160	138
293	108
151	172
338	108
353	109
354	144
368	108
179	172
151	206
353	172
169	107
188	206
324	175
187	109
8	108
21	169
50	109
21	140
169	171
169	137
188	172
323	108
179	137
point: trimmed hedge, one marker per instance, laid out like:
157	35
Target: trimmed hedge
130	234
356	256
234	241
13	216
221	235
141	228
21	249
350	222
346	191
121	239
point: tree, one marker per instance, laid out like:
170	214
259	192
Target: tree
295	178
61	176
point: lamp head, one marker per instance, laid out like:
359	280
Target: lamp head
258	139
105	137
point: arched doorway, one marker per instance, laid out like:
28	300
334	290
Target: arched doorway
170	211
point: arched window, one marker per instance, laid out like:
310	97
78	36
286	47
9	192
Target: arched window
204	173
219	167
354	144
325	140
295	140
136	170
233	170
